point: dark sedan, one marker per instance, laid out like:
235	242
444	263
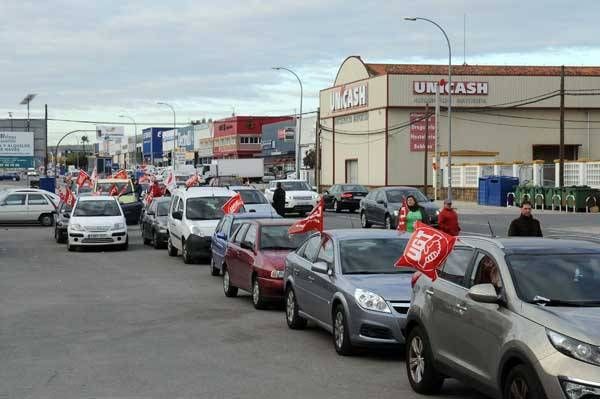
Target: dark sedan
381	207
154	223
344	196
14	176
61	218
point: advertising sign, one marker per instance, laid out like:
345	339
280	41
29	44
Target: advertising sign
417	132
152	142
16	149
465	88
286	133
350	96
104	132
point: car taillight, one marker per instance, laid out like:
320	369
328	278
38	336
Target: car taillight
347	195
414	278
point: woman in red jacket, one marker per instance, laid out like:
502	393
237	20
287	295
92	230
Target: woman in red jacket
448	219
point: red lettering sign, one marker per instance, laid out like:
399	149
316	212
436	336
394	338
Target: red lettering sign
417	132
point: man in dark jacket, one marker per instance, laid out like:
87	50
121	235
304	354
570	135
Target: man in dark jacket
448	219
279	199
525	225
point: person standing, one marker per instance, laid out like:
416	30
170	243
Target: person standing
279	200
525	225
448	219
137	189
415	212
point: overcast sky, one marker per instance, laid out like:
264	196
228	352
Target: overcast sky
94	60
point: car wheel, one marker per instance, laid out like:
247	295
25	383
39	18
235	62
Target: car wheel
124	247
170	248
363	221
257	299
522	383
422	375
185	253
71	248
155	240
341	335
336	206
388	222
47	220
214	271
229	290
56	236
294	321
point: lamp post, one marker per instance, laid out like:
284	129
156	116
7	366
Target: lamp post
26	101
174	133
449	99
58	144
136	140
299	132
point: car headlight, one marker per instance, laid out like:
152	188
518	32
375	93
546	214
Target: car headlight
371	301
577	390
277	273
574	348
119	226
289	198
76	227
396	212
196	231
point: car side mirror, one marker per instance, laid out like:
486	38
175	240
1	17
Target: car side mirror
177	215
247	245
67	214
221	236
314	188
320	267
484	293
382	202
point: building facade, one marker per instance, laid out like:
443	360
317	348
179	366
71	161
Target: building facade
38	127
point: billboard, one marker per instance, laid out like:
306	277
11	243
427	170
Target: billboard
104	132
417	132
286	133
152	142
16	149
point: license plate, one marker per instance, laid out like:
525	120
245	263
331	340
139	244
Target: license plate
358	197
97	236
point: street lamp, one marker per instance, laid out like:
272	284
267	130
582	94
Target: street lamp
136	140
58	144
299	132
449	99
174	133
27	100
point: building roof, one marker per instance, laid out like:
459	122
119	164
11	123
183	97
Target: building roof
500	70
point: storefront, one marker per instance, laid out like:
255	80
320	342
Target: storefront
373	118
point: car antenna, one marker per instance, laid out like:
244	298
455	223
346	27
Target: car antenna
492	234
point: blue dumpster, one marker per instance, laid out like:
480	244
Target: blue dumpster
48	184
483	193
498	188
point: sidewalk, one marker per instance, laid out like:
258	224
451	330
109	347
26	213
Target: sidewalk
472	208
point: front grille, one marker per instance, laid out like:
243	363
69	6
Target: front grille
96	240
97	228
401	307
371	331
303	198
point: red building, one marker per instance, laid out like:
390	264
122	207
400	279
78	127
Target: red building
240	136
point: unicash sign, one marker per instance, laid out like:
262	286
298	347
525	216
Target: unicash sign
462	88
349	97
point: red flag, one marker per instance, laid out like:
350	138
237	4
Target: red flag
402	214
113	190
82	178
192	181
314	220
123	190
149	198
170	181
122	174
426	250
94	176
69	198
234	204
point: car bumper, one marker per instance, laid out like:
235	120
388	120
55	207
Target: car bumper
557	369
271	288
93	239
199	247
369	328
162	236
299	206
350	203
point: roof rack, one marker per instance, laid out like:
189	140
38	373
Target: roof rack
489	240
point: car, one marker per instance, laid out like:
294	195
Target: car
255	259
515	318
130	203
194	214
346	282
97	221
345	196
154	225
223	233
299	198
13	176
27	206
61	222
254	200
52	196
381	207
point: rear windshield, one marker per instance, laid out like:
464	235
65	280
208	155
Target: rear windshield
354	188
277	237
163	208
398	195
372	256
205	208
253	197
97	208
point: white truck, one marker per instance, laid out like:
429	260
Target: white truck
249	168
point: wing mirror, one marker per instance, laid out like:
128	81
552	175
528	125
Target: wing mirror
382	202
247	245
321	267
177	215
484	293
221	236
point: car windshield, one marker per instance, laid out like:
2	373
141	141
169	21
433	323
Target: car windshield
354	188
398	195
163	208
122	188
557	279
357	256
97	208
295	186
205	208
253	197
277	237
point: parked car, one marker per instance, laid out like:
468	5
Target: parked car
13	176
335	280
255	259
516	318
345	196
154	225
131	205
254	200
193	217
61	222
97	220
52	196
27	206
381	207
223	233
299	198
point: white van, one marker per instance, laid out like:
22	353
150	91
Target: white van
193	216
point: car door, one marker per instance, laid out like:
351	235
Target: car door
175	224
321	286
447	294
301	270
147	221
379	208
37	204
219	242
246	257
14	208
232	254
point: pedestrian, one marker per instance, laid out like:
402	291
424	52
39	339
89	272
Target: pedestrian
448	219
415	212
525	225
279	199
156	190
137	189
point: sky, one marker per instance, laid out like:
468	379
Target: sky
96	60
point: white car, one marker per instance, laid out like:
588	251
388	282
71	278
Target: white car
53	197
27	205
97	220
254	200
193	216
299	198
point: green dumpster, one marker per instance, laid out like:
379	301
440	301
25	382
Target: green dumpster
523	193
575	197
538	197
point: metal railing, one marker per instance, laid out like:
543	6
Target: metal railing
567	198
559	202
535	201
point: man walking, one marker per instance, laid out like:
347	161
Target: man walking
525	225
279	200
448	219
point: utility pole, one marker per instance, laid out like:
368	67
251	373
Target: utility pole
561	150
425	166
46	134
318	151
438	176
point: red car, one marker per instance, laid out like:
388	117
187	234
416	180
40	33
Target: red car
255	259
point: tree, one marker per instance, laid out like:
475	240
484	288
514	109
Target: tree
309	159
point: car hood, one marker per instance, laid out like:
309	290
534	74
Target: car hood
392	287
96	220
274	259
579	323
259	208
207	227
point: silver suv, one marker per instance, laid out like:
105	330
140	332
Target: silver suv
515	318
